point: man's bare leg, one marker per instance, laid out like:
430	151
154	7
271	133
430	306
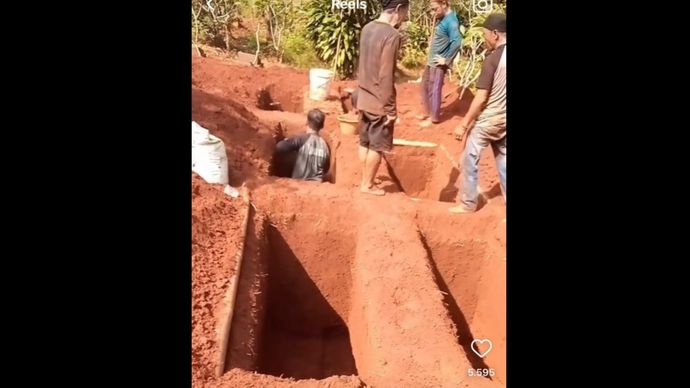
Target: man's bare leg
363	154
371	165
363	151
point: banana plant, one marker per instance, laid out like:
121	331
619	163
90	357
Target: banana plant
335	33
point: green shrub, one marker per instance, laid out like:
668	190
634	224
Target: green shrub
335	34
299	51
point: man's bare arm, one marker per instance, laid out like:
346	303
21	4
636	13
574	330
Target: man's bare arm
478	104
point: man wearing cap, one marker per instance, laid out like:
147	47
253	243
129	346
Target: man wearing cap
486	118
444	47
375	98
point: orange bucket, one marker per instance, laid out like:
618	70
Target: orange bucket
348	124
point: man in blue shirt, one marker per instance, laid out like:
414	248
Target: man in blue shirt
445	45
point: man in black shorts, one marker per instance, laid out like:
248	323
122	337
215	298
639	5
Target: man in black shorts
378	52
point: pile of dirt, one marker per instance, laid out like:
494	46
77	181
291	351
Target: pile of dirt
241	83
216	239
248	143
244	379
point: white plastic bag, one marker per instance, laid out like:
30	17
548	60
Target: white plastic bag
231	191
199	133
209	159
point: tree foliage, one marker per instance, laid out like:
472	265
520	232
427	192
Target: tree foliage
308	33
335	33
212	20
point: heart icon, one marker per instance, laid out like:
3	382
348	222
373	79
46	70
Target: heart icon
475	349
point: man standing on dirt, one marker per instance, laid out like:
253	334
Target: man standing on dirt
313	157
443	48
378	52
486	116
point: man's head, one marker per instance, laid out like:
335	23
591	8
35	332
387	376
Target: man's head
396	11
315	119
438	8
495	30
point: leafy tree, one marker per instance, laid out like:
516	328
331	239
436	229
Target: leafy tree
335	33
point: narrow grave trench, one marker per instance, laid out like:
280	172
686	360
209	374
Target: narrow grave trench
301	330
306	334
423	172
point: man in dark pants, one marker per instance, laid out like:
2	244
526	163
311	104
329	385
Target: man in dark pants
378	52
486	118
444	47
313	157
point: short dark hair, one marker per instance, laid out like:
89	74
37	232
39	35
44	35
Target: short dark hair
389	5
315	119
495	22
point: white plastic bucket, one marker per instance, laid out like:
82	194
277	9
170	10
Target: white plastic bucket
319	83
209	159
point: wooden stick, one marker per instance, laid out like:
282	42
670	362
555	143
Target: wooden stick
450	157
458	165
231	293
413	143
258	47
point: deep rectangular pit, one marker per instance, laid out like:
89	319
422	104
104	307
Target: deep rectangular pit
461	266
423	172
305	333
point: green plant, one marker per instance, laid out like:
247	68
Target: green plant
248	8
413	58
467	69
279	18
335	33
416	34
299	51
415	44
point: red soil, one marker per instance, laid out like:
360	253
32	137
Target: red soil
216	238
322	256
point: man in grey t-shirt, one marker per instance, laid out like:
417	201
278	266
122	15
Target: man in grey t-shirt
313	157
486	116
